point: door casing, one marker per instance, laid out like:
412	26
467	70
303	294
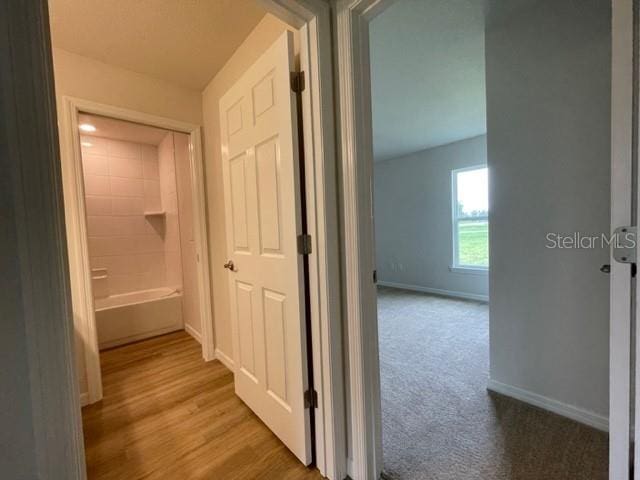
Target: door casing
352	18
77	241
620	285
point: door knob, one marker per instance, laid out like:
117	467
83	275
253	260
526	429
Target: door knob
230	265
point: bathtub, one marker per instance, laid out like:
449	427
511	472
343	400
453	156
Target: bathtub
134	316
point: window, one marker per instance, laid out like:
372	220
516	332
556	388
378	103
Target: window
470	188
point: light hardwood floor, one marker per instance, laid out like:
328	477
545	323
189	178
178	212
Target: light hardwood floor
166	414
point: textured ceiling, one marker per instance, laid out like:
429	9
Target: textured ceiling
184	42
427	75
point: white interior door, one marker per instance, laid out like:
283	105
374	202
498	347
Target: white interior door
263	220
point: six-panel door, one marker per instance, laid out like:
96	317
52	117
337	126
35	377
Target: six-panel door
263	219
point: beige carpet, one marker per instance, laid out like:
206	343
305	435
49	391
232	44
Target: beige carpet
439	421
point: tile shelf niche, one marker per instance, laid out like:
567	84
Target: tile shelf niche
155	213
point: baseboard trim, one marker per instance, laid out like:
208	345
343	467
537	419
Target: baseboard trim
436	291
84	399
574	413
193	332
225	359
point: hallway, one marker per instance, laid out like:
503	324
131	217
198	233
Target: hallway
166	414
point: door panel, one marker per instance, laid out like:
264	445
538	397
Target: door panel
268	197
245	318
275	330
263	219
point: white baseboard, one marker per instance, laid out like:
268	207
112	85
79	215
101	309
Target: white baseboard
574	413
84	399
192	331
225	359
436	291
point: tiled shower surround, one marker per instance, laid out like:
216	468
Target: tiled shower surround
132	246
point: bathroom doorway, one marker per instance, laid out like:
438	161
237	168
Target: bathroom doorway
136	227
140	231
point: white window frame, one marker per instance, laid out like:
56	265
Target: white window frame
457	267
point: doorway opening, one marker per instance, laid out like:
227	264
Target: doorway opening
480	373
140	232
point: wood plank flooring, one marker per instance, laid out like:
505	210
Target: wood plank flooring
166	414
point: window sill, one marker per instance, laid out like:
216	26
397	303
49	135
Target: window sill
469	270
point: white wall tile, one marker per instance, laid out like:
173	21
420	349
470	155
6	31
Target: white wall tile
93	145
95	164
153	281
99	225
151	262
122	181
96	185
127	205
174	269
149	152
118	148
98	262
125	167
149	244
123	225
151	188
100	287
99	246
152	204
119	284
127	187
150	169
97	205
123	245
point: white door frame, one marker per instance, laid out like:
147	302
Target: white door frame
313	19
52	361
355	133
77	241
622	86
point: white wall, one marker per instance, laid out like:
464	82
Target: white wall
413	217
261	38
89	79
548	121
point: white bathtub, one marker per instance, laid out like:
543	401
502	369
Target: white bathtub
134	316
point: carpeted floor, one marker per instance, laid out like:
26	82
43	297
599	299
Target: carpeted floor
439	421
